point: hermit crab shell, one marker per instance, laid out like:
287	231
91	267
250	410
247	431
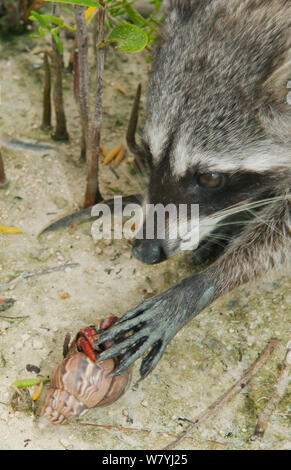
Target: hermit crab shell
79	384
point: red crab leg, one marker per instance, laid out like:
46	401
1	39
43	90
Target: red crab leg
88	336
85	346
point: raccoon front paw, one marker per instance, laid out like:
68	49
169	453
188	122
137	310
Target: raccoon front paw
148	328
139	330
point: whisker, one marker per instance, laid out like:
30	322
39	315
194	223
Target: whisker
236	208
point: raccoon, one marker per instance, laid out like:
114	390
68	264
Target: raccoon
217	134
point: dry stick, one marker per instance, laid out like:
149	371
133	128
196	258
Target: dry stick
71	61
46	110
14	318
75	64
279	391
82	75
95	38
3	180
131	130
237	387
61	132
147	431
93	195
114	172
36	273
84	136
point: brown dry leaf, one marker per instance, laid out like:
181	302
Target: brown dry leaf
103	151
65	296
112	154
120	156
121	89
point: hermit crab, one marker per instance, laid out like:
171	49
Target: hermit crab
78	383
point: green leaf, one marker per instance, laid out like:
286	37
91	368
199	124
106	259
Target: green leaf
34	16
84	3
114	190
157	4
41	32
58	42
71	28
129	37
44	20
55	31
133	14
115	10
54	19
27	382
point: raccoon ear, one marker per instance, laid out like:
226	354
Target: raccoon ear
278	84
276	113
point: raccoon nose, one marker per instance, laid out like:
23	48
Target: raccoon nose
149	251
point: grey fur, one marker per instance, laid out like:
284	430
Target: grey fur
217	101
211	84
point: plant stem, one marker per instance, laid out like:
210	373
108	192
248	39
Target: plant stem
126	429
83	75
61	132
46	110
95	38
131	130
278	393
40	272
3	181
93	194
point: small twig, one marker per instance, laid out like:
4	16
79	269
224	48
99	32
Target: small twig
134	147
82	75
66	345
278	393
122	428
14	318
92	194
61	132
46	110
114	172
3	181
237	387
25	275
147	431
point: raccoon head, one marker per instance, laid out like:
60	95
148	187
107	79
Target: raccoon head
218	127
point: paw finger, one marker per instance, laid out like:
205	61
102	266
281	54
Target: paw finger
151	359
118	330
119	348
132	355
135	312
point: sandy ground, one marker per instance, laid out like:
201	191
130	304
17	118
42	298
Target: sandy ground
203	360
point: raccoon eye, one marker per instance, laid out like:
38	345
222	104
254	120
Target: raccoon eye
210	180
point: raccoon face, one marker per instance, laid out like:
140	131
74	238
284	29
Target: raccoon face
189	206
218	118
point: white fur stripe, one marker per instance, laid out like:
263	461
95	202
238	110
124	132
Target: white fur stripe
256	159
